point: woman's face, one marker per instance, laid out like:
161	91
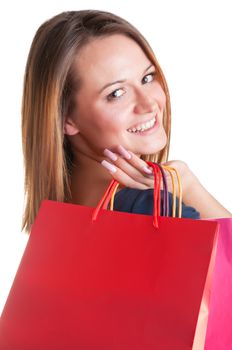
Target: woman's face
119	92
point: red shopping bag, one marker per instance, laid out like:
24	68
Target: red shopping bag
92	278
219	330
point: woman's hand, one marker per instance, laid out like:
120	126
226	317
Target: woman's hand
187	177
131	171
128	169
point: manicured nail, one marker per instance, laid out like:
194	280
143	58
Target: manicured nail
110	154
123	152
147	170
109	166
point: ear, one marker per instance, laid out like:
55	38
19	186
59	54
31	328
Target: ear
70	127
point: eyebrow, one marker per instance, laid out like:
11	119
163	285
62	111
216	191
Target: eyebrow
123	80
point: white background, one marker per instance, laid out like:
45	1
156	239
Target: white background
192	42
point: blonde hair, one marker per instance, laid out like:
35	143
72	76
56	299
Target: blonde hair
48	85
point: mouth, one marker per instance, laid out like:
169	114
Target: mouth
146	127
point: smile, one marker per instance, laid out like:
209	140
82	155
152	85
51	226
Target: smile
144	126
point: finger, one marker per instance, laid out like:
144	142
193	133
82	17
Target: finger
122	177
132	165
134	160
130	171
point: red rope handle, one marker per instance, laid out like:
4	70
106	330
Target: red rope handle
102	200
157	183
103	203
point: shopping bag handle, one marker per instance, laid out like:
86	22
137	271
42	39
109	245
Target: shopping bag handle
166	196
170	170
165	201
156	191
112	192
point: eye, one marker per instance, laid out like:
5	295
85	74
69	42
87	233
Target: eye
114	95
151	75
148	78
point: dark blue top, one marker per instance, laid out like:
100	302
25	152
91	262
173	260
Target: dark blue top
132	200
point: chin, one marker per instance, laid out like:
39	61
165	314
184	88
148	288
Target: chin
153	147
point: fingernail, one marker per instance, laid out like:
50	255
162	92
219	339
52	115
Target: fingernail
110	154
147	170
108	166
123	152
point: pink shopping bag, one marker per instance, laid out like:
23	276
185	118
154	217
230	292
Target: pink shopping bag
219	329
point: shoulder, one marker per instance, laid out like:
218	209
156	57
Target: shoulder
141	202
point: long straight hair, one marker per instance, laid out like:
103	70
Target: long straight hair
47	91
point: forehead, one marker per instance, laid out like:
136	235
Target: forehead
111	57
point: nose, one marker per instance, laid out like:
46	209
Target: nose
144	103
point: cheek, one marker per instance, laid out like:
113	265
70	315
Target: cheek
103	122
111	116
160	95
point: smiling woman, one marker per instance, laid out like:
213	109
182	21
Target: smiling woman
96	105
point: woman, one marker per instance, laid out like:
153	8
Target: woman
96	106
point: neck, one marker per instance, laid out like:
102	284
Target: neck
89	181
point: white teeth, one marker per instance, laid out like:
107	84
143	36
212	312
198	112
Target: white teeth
143	127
